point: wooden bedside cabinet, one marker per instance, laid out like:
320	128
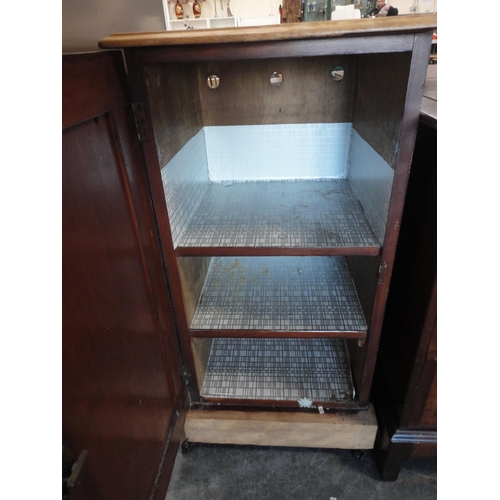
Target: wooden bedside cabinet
265	186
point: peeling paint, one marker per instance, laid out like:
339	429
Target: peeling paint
305	403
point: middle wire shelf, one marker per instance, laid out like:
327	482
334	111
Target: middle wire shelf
279	296
278	218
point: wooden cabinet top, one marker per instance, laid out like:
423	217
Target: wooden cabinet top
293	31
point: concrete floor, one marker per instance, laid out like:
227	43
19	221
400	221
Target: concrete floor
224	472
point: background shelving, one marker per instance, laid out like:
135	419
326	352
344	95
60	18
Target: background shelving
214	15
203	23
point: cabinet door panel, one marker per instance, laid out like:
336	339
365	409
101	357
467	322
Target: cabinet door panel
121	390
424	410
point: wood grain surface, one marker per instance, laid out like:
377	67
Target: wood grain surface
289	31
121	384
313	430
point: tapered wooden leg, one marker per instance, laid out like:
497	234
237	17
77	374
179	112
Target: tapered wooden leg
391	460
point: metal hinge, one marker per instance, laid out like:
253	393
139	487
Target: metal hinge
140	121
76	470
382	272
186	376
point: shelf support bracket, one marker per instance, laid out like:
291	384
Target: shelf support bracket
382	272
186	376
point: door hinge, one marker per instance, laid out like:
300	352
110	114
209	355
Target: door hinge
140	121
382	272
186	376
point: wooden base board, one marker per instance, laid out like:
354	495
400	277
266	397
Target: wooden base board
307	430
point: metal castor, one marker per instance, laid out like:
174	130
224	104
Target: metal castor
358	454
186	446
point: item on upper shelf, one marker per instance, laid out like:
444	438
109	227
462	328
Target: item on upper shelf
196	9
179	11
229	13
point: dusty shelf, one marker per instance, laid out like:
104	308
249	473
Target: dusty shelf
279	217
285	296
295	370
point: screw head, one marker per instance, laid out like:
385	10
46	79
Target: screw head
213	81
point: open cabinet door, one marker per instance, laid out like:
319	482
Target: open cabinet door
123	398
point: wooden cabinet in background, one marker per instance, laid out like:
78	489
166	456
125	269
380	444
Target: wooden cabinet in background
405	385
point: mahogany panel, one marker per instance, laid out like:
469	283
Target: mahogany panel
405	389
405	146
139	94
120	363
269	334
274	251
380	101
433	343
425	414
291	31
273	49
424	450
409	330
175	106
255	404
364	272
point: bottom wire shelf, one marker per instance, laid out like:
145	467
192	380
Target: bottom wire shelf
279	369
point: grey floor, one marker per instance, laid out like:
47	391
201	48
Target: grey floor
223	472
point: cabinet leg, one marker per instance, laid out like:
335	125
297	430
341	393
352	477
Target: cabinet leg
391	460
358	454
186	446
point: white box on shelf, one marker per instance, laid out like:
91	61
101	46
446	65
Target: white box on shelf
184	24
259	21
223	22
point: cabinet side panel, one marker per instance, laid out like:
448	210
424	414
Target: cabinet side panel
380	101
370	178
364	275
175	106
245	95
185	180
409	328
192	272
404	133
424	415
141	93
201	352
